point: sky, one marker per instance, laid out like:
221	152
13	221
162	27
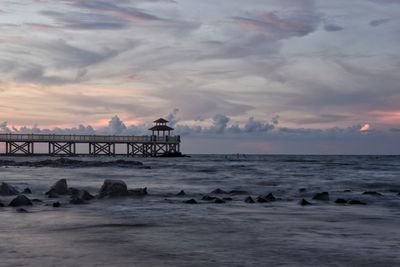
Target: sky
232	76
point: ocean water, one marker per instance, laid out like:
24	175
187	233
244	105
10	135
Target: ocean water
161	230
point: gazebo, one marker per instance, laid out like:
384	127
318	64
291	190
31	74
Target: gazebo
161	127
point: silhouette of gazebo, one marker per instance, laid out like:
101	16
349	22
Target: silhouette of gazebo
161	127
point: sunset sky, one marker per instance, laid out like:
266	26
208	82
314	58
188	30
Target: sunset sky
255	76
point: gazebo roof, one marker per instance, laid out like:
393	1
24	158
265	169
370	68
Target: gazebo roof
161	120
161	128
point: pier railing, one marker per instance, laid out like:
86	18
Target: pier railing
11	137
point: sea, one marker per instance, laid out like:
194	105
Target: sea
161	229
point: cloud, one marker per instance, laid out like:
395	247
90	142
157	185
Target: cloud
379	22
365	128
333	28
396	130
276	27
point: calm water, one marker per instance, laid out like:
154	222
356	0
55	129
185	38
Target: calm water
160	230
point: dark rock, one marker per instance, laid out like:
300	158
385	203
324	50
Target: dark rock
37	200
59	188
260	199
302	190
52	194
21	210
208	198
77	200
8	190
56	204
372	193
1	204
249	200
72	191
191	201
270	197
347	191
137	192
321	196
27	191
181	193
113	188
227	198
340	201
219	201
20	200
219	191
304	202
356	202
85	195
238	192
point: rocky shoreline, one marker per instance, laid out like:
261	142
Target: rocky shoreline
60	194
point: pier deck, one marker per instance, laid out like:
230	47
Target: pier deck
147	146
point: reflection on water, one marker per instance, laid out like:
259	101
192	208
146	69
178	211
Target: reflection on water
159	230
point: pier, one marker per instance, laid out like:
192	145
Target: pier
160	143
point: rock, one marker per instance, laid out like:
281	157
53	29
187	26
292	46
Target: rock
1	204
219	201
137	192
72	191
56	204
21	210
181	193
20	200
52	194
219	191
8	190
27	191
270	197
347	191
340	201
227	198
36	200
59	188
77	200
302	190
238	192
191	201
85	195
321	196
372	193
113	188
356	202
249	200
304	202
208	198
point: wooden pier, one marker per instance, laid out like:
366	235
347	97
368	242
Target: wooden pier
95	145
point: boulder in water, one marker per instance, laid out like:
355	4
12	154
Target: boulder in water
191	201
218	201
302	190
340	201
1	204
137	192
356	202
37	200
77	200
219	191
208	198
304	202
181	193
321	196
238	192
27	191
372	193
249	199
56	204
8	190
21	210
72	191
20	200
85	195
113	188
227	198
59	188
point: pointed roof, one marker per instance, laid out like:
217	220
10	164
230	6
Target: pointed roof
161	120
161	128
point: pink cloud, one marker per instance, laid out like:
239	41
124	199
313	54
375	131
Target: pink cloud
366	128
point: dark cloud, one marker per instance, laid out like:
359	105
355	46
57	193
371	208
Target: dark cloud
378	22
323	118
396	130
333	28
